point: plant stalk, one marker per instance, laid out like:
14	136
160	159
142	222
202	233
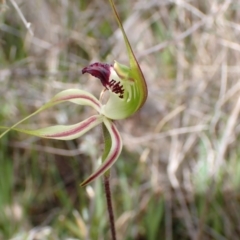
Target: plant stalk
109	204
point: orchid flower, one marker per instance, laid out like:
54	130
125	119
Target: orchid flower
127	93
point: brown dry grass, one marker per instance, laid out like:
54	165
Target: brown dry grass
181	148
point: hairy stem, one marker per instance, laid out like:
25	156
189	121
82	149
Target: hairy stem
109	204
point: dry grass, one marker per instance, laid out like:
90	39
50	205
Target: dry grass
178	177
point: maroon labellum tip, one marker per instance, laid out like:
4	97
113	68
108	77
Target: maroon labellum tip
99	70
103	72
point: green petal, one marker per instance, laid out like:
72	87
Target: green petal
112	153
76	96
65	132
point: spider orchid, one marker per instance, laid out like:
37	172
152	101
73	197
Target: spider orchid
127	93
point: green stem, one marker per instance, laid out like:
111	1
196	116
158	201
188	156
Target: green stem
109	204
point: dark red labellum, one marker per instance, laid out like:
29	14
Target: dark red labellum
99	70
103	71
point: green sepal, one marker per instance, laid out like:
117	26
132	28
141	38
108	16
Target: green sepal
113	148
135	70
132	80
64	132
76	96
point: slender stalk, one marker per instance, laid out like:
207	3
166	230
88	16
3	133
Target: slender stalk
108	143
109	204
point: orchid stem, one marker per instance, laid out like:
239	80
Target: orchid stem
109	204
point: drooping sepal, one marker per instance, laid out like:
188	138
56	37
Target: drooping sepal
65	132
76	96
112	152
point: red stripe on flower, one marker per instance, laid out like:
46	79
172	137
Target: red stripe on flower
109	162
76	97
74	130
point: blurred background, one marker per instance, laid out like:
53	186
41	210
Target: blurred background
178	176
